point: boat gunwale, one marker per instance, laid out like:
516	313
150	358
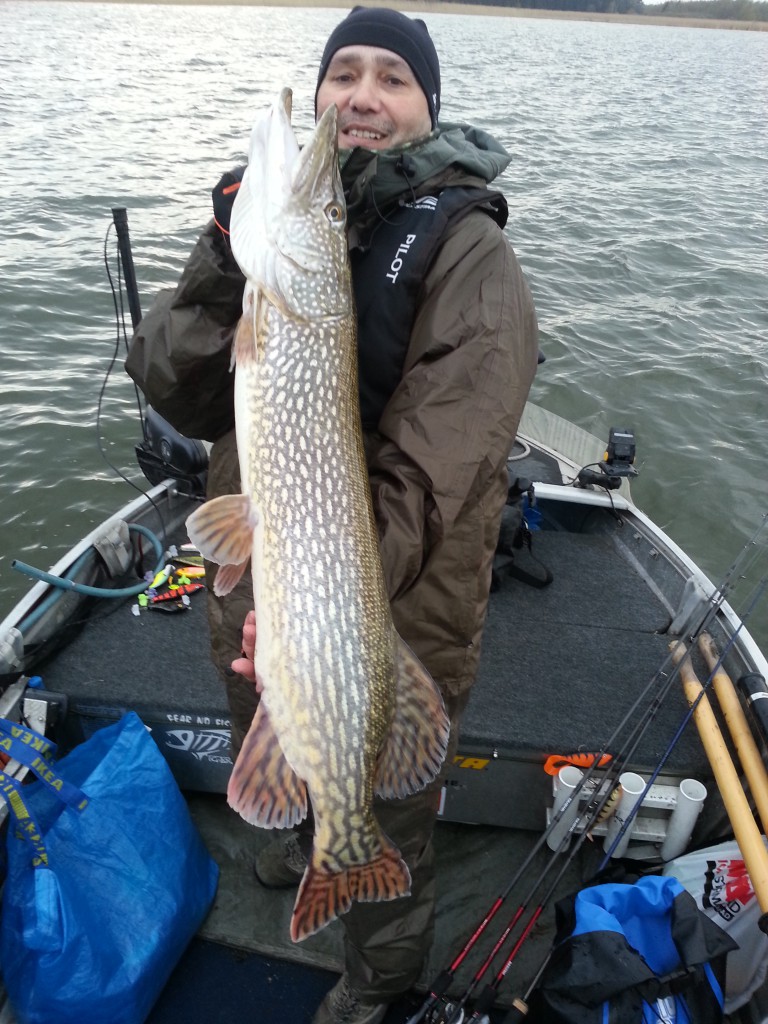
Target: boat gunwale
164	492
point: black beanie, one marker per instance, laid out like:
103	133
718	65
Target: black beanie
390	30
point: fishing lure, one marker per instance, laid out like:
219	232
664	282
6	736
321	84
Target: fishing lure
192	572
171	607
177	592
606	811
187	562
555	762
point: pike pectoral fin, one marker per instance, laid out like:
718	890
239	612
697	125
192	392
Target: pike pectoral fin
222	529
325	895
248	342
263	788
415	747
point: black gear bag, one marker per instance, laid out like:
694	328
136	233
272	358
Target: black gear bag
633	954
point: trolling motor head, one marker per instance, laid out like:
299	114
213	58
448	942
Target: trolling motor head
618	461
165	452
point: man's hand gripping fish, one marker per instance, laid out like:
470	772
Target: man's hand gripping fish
346	709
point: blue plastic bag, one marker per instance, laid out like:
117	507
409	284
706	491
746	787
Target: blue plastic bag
108	878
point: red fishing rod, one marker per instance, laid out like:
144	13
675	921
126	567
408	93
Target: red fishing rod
443	981
714	602
593	810
457	1008
488	996
520	1005
589	817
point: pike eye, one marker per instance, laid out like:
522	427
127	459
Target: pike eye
334	212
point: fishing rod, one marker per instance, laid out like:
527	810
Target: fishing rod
457	1008
520	1005
587	819
744	741
714	602
443	981
487	997
745	830
756	596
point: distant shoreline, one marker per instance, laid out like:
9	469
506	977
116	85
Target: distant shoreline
425	7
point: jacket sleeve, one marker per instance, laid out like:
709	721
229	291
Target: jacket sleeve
446	432
180	355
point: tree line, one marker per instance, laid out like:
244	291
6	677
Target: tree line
724	10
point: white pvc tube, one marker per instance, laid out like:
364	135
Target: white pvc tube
690	800
566	782
632	788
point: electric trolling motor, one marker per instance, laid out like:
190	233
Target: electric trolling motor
617	461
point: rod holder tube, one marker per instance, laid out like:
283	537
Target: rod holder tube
632	789
566	781
690	800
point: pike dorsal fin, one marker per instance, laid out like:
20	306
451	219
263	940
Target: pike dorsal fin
415	747
263	787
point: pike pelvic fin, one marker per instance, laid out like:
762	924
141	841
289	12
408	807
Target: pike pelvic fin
222	529
416	744
227	578
263	788
325	895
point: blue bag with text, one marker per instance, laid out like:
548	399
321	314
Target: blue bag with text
107	877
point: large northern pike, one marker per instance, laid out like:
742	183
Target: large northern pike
346	709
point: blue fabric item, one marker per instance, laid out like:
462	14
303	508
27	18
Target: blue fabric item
640	912
91	929
665	959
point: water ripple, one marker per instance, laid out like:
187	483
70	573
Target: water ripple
638	193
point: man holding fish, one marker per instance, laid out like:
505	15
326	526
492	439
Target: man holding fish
365	597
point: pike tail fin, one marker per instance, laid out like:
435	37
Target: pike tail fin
325	895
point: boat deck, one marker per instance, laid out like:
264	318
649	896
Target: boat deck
560	666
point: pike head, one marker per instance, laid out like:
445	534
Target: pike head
288	226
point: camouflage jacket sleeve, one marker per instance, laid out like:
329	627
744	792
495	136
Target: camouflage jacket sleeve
180	354
445	434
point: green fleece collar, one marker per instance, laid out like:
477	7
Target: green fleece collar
453	151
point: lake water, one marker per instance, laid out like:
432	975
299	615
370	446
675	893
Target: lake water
638	194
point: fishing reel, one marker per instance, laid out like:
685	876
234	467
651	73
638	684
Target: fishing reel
447	1012
617	464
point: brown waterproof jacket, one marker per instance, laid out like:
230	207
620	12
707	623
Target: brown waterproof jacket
437	461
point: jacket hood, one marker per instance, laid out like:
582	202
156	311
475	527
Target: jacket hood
454	154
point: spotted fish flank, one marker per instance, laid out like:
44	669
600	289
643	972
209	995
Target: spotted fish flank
346	711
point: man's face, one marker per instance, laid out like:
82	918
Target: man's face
379	100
